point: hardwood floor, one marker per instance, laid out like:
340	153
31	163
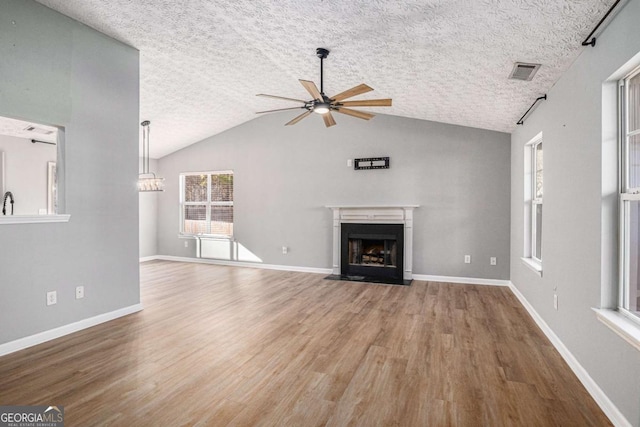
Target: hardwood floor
219	346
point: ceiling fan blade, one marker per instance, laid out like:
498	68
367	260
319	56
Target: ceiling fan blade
298	118
279	109
311	88
328	120
357	90
355	113
367	103
281	97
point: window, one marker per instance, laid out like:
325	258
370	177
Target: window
630	194
533	193
206	203
536	202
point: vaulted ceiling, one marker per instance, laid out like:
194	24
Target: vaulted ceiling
203	62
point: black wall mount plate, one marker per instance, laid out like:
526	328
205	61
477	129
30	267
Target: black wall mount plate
371	163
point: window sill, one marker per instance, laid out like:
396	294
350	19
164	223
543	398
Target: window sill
204	236
533	265
33	219
626	328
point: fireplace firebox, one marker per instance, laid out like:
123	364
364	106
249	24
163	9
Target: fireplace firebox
372	252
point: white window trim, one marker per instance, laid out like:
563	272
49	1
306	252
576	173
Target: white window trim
182	203
530	202
620	320
533	264
626	192
622	324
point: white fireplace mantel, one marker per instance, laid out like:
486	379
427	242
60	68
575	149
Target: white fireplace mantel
375	214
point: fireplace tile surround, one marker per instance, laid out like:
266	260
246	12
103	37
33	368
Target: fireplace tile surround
374	214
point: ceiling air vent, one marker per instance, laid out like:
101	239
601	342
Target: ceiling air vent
523	71
36	129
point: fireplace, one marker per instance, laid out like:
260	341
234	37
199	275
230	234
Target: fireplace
372	251
373	243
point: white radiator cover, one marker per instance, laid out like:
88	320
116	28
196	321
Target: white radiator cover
223	249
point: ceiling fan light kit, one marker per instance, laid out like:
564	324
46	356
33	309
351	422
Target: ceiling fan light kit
321	108
324	105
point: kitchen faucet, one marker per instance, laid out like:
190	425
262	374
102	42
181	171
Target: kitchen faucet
7	195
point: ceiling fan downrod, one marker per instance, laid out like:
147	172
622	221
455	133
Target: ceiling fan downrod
322	53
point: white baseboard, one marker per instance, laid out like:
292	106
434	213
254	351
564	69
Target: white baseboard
51	334
245	264
448	279
610	410
463	280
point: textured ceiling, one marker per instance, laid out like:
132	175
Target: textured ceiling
203	62
12	127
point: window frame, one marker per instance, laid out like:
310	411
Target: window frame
627	195
535	201
208	204
531	202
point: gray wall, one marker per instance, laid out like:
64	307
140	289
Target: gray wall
579	212
26	173
285	176
149	218
56	71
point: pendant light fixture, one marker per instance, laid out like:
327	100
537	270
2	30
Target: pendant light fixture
147	181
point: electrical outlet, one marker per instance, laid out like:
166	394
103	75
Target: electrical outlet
52	297
493	261
467	259
555	301
285	250
186	243
79	292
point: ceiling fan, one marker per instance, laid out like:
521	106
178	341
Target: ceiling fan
324	105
